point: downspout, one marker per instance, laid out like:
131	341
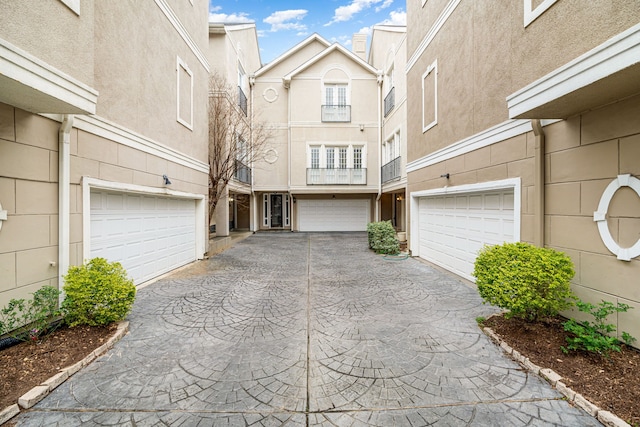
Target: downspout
64	182
379	79
252	203
538	233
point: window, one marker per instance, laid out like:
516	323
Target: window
336	106
430	97
357	157
184	91
331	157
343	158
315	157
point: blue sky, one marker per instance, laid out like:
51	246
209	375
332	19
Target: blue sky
283	23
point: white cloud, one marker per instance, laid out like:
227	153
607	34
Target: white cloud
384	5
214	8
345	13
287	20
366	30
232	18
398	17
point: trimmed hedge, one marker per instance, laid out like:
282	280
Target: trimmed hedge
97	293
382	238
531	282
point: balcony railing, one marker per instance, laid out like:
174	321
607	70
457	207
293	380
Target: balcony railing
389	101
316	176
242	100
336	113
242	173
391	170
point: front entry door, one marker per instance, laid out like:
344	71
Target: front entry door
276	210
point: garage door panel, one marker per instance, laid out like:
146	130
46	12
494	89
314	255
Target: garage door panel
454	228
333	215
149	235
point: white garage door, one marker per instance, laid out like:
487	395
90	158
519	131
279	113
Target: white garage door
148	235
454	228
333	215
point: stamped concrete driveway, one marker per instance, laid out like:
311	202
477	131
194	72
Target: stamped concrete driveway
305	329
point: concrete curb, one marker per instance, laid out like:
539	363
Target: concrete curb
605	417
39	392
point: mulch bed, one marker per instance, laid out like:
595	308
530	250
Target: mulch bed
28	364
612	383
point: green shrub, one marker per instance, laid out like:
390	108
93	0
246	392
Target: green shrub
31	319
382	238
594	336
531	282
97	293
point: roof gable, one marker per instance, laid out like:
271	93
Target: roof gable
289	53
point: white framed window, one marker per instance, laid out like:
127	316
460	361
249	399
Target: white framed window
184	84
314	157
391	148
430	97
335	95
265	210
336	157
532	12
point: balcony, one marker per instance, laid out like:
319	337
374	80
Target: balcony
242	100
391	170
389	101
317	176
336	113
242	173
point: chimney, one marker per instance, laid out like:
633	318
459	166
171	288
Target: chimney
359	45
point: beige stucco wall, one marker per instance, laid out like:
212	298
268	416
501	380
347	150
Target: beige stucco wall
146	71
488	65
54	34
29	193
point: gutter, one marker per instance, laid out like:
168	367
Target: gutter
64	182
538	214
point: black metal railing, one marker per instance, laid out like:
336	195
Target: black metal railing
346	176
389	101
242	100
391	170
336	113
242	173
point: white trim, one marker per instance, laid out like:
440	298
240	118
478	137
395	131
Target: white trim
91	183
182	31
290	52
531	13
432	68
431	34
614	55
102	127
25	69
181	65
3	215
74	5
514	183
498	133
600	216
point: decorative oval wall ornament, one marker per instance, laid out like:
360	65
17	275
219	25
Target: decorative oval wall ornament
3	216
270	155
599	216
270	94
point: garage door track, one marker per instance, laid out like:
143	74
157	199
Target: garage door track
304	329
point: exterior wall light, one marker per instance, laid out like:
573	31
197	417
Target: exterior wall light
165	179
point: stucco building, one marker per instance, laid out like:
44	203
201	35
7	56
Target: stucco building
523	126
321	171
103	137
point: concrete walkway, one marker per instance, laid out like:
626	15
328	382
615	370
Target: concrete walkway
305	330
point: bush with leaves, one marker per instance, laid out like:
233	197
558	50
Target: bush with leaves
529	281
97	293
382	238
31	319
594	337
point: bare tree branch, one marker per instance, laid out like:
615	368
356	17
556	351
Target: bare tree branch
234	141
